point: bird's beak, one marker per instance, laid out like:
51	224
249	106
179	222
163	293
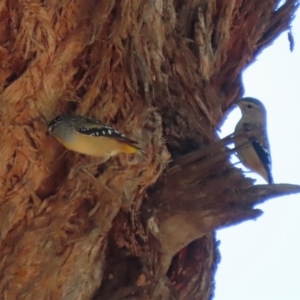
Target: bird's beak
47	131
237	102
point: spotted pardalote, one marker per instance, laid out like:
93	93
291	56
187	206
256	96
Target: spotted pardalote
251	142
90	136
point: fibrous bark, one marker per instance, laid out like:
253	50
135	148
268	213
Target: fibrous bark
162	72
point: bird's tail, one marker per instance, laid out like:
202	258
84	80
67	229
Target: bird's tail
132	147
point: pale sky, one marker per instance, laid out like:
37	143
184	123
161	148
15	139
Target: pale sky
261	259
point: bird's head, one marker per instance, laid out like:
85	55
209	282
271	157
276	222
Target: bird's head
251	108
54	124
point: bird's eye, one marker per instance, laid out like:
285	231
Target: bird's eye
249	105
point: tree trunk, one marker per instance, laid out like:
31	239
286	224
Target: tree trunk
162	72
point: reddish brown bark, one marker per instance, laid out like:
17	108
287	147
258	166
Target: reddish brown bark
162	72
